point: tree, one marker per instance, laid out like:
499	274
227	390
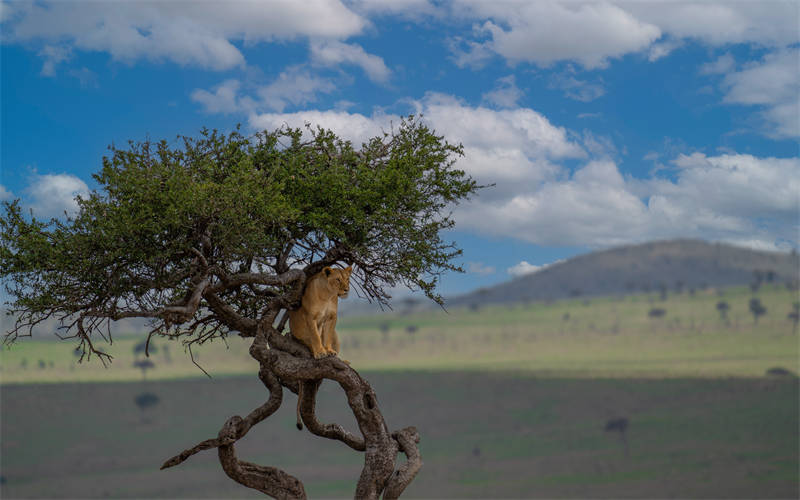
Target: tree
217	236
723	308
757	309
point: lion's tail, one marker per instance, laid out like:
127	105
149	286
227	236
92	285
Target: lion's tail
299	398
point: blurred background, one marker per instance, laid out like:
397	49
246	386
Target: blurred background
666	369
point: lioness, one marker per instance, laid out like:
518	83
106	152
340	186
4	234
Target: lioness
314	323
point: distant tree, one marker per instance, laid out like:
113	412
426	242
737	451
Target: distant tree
757	309
42	364
662	291
216	235
794	315
144	365
723	308
412	329
565	317
779	371
657	312
143	348
146	400
384	327
619	425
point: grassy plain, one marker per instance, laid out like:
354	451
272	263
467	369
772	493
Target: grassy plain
510	402
600	337
484	435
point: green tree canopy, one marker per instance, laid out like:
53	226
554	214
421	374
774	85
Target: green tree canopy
218	233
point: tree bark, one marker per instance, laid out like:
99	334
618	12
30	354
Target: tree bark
287	363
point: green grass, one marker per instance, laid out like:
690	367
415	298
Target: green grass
602	337
495	435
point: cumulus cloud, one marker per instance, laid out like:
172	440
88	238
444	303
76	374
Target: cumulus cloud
50	195
5	194
771	23
538	199
480	268
505	94
224	98
544	32
719	66
334	53
295	86
524	267
506	147
53	55
574	88
202	35
773	84
726	197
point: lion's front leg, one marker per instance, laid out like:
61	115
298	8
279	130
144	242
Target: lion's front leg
330	340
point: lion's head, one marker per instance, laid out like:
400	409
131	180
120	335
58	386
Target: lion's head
339	280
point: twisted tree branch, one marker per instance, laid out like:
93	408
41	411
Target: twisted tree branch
285	363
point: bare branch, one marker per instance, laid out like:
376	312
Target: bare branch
330	431
407	440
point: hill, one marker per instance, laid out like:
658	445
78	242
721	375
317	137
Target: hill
656	266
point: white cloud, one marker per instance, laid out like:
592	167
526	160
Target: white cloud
772	23
662	49
354	127
295	86
579	90
773	83
546	32
224	99
505	94
591	34
51	195
507	147
537	199
5	194
727	197
480	268
53	55
467	53
524	267
334	53
414	9
197	34
719	66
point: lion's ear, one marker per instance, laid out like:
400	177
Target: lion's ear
327	271
348	269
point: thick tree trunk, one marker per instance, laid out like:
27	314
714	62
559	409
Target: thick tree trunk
286	363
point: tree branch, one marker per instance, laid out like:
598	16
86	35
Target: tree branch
330	431
407	440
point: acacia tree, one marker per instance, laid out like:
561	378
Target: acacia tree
217	236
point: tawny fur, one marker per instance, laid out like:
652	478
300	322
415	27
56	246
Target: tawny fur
314	323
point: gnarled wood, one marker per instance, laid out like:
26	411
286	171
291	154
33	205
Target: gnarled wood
286	363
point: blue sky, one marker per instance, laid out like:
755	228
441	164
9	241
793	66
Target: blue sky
600	123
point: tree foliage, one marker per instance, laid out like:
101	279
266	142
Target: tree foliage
209	235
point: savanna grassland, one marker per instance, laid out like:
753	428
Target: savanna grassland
510	402
599	337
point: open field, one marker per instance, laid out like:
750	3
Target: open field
510	402
606	337
483	435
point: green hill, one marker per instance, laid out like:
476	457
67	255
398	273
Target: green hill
676	265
